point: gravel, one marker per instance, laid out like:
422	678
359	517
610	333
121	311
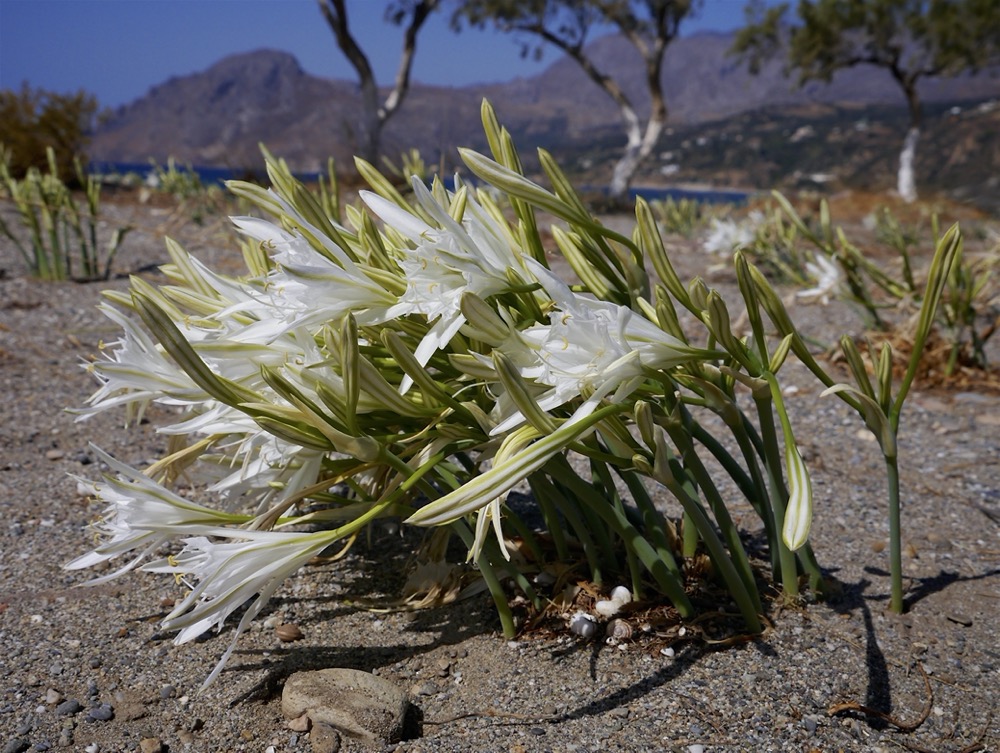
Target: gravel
87	668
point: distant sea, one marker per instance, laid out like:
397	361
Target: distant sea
218	175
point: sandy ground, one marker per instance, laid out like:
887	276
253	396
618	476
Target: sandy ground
934	669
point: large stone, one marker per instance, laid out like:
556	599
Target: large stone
359	704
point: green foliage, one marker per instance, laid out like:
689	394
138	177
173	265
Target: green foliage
910	38
970	310
966	295
411	164
32	121
774	244
680	216
63	241
184	185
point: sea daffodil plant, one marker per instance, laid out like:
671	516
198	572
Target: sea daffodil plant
421	359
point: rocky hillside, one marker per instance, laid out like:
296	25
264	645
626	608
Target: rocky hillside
219	116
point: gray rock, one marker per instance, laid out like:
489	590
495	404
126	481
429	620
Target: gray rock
102	713
18	745
357	704
324	739
68	708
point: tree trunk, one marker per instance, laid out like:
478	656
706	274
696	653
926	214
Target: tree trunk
640	145
905	182
374	114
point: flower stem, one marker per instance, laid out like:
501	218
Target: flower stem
895	542
779	495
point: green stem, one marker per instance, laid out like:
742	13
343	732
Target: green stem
779	495
653	523
716	550
689	536
895	540
544	488
722	517
668	581
551	517
492	581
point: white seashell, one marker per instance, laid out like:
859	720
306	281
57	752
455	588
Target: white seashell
618	629
621	595
583	625
607	608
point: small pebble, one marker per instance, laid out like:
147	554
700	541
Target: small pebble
68	708
102	713
53	696
300	723
288	632
168	691
93	748
150	745
54	454
324	739
583	625
425	689
17	746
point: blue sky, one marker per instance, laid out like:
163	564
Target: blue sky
118	49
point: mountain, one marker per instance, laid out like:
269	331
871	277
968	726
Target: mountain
218	117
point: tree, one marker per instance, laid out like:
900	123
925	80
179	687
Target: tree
374	113
911	39
649	25
31	120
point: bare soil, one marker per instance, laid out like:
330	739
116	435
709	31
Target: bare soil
840	674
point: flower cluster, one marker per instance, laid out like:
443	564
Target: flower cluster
422	359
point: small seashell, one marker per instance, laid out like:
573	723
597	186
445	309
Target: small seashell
288	632
621	595
607	608
583	625
619	629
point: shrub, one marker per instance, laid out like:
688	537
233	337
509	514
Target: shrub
33	121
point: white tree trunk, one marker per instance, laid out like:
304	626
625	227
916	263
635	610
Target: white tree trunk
906	183
639	146
629	162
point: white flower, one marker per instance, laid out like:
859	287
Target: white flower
248	565
135	372
724	236
307	289
592	348
141	515
449	260
827	275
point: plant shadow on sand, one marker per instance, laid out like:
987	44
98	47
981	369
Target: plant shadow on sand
850	598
